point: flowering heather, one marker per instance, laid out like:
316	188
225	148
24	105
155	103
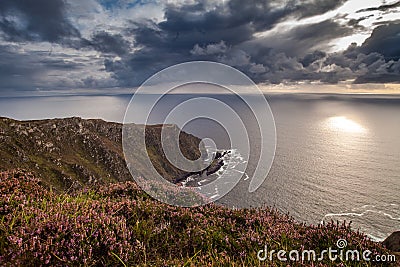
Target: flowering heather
119	225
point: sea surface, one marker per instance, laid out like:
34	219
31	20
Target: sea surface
337	156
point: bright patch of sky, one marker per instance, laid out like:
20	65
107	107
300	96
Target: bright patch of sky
348	11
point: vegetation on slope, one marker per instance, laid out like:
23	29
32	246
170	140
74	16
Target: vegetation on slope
120	225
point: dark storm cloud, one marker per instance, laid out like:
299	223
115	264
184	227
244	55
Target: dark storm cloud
29	71
381	8
46	20
20	71
109	43
385	39
386	73
293	55
39	20
298	41
364	67
309	36
234	23
16	71
316	7
325	30
310	58
376	61
27	22
196	32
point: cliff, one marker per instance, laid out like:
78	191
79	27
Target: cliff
68	153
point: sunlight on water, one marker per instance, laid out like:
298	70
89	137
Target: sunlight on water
335	160
344	124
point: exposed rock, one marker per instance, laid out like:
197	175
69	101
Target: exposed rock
392	242
212	168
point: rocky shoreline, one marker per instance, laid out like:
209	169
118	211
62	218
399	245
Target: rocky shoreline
215	165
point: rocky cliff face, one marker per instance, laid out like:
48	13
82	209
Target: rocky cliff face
67	153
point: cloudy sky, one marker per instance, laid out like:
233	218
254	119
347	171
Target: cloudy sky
110	45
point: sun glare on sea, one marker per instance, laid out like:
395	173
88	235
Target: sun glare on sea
344	124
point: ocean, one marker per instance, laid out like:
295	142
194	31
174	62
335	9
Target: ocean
337	156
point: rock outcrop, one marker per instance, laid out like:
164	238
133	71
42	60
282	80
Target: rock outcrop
212	168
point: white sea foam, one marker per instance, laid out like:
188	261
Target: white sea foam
387	216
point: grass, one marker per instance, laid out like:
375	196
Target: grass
120	225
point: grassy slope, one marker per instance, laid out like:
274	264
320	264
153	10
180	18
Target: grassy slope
119	224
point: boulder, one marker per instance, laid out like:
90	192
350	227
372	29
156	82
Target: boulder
392	242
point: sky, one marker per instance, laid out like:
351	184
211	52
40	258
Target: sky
110	46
